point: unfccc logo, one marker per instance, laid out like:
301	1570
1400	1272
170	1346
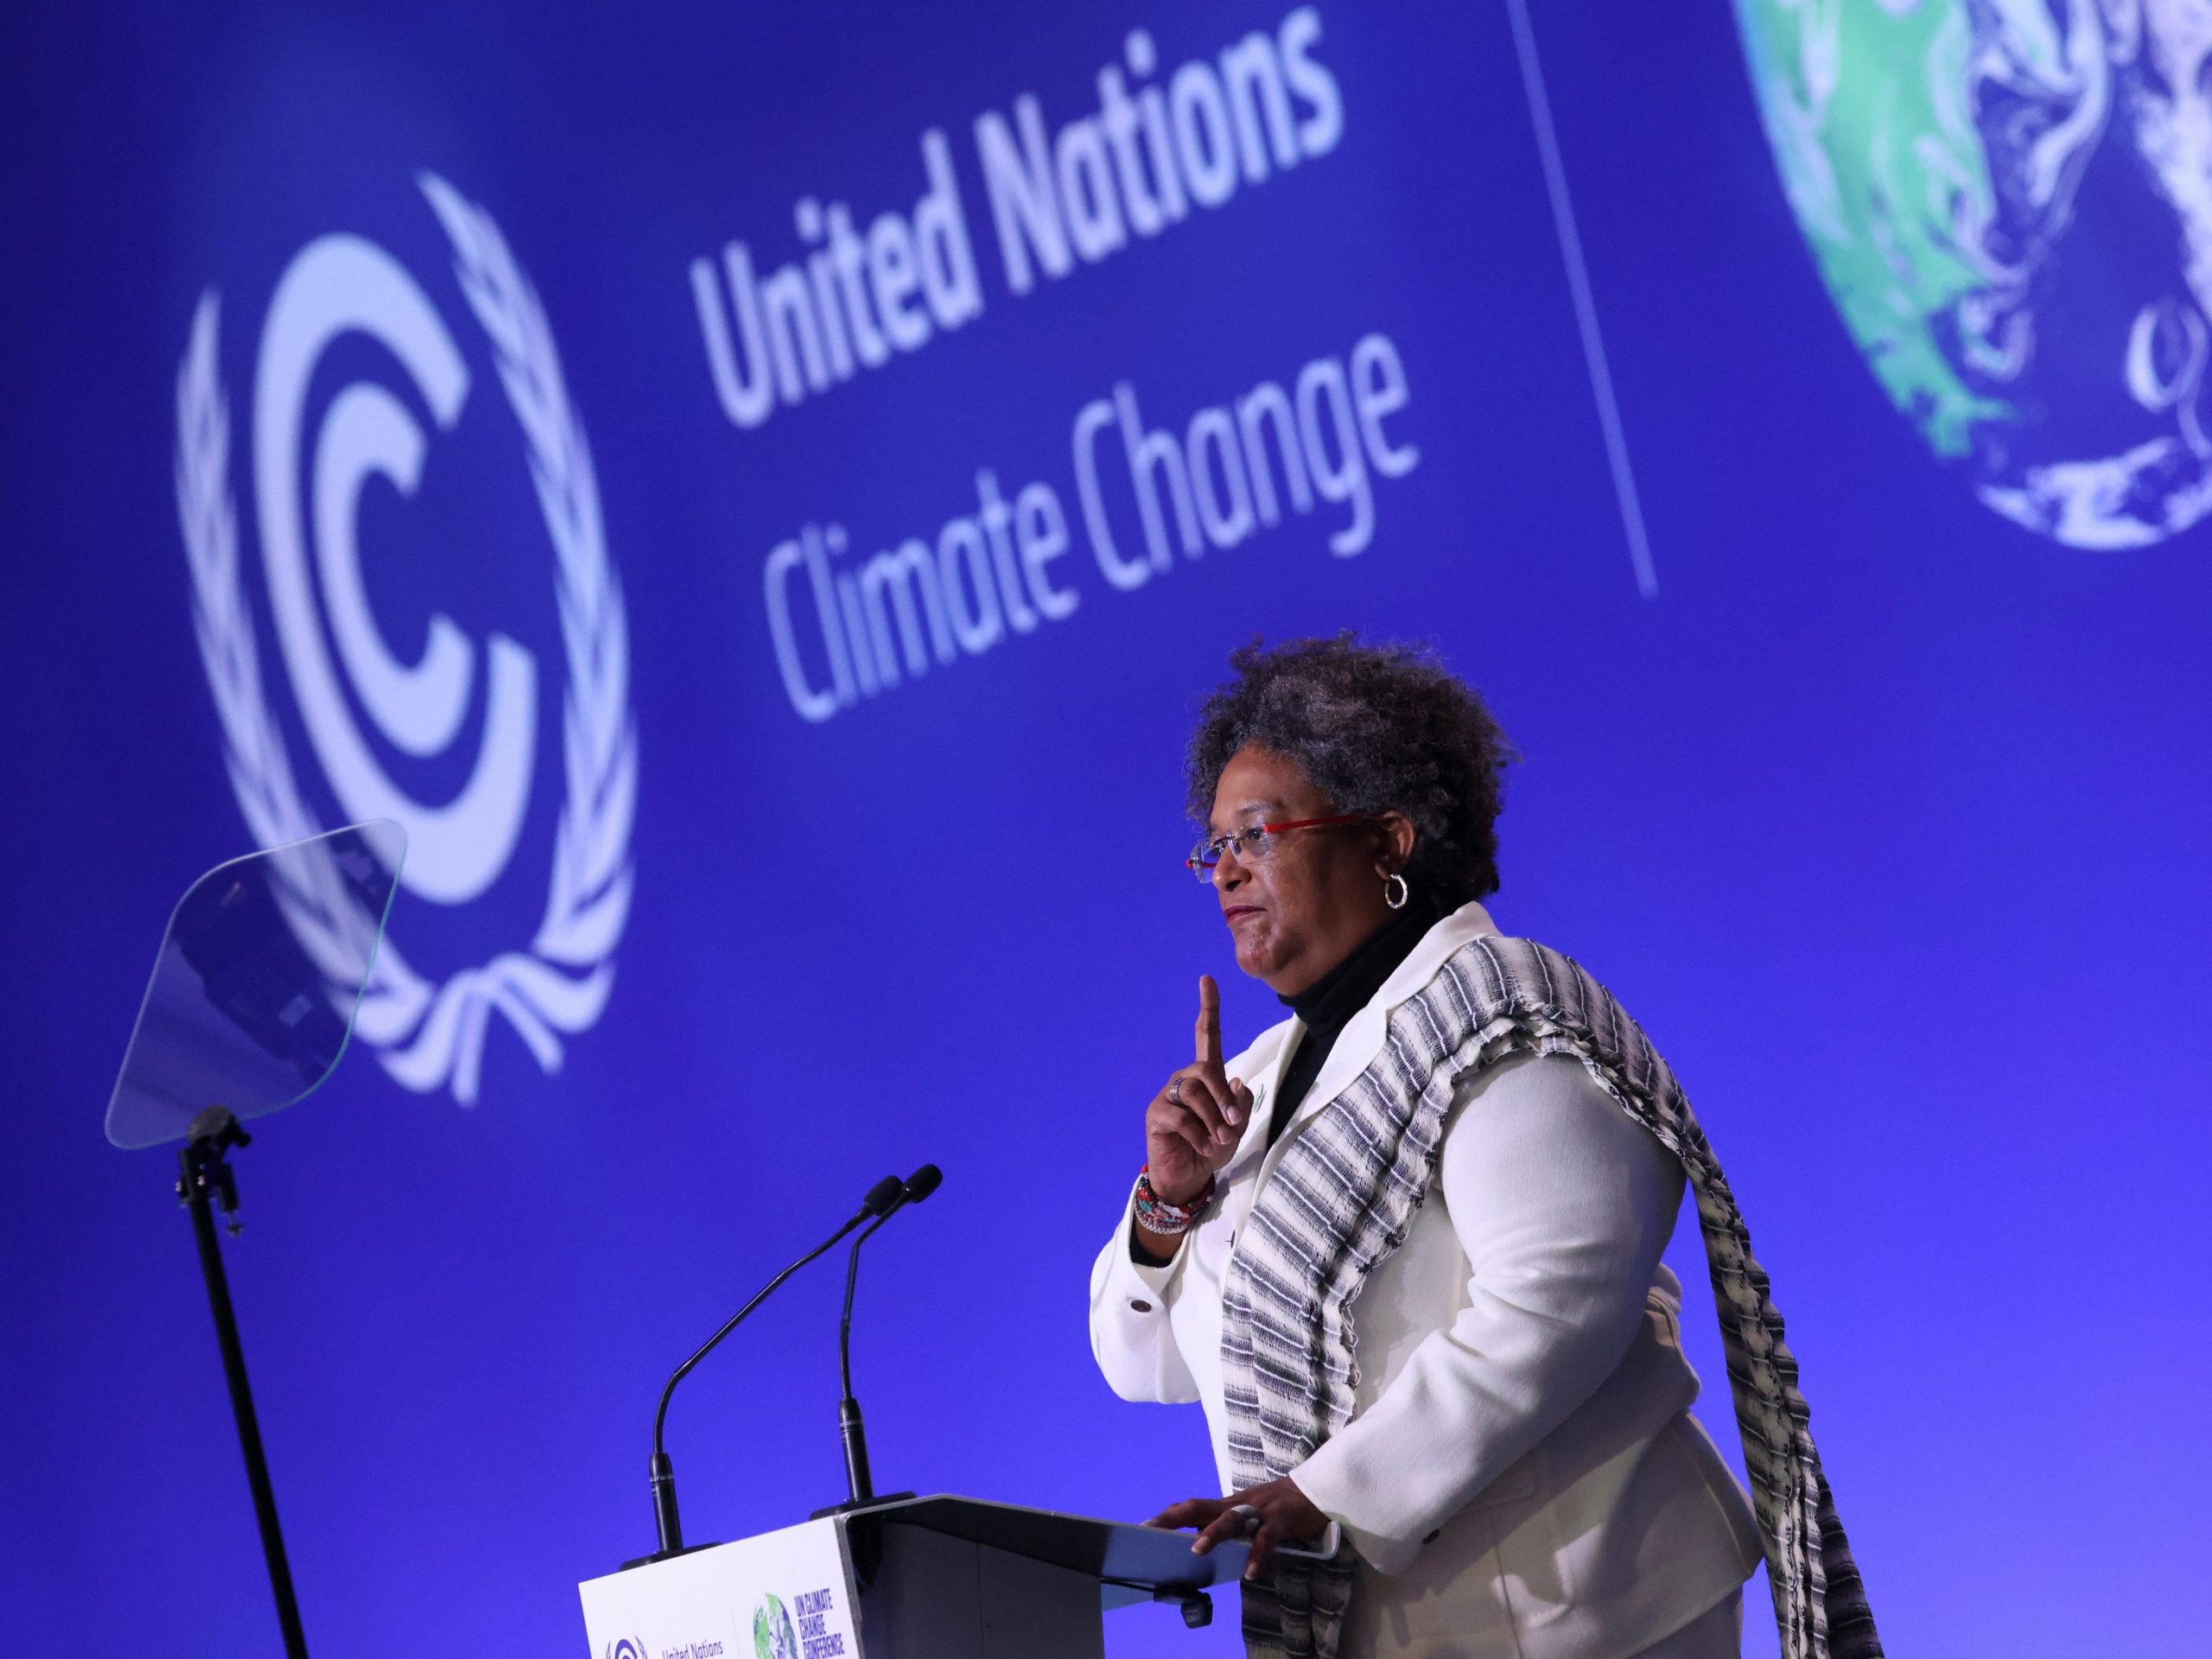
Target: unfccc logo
307	488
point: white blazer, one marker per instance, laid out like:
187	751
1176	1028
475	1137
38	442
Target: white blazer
1521	1475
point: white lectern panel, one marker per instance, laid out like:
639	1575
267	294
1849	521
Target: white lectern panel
782	1595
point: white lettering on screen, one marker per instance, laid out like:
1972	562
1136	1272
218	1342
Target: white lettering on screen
847	628
1160	147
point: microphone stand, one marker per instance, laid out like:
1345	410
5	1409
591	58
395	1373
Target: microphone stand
668	1527
859	1484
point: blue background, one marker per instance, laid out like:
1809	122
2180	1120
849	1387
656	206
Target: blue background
1885	817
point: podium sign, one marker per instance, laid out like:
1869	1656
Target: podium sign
782	1595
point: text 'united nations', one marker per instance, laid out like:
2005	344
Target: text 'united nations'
1159	149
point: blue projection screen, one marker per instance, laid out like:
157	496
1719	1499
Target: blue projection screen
758	491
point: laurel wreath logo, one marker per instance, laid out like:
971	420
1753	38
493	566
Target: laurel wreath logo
428	1034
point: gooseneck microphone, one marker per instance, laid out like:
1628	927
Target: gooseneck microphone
858	1482
886	1196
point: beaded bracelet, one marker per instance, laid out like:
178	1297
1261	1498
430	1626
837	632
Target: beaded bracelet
1156	1214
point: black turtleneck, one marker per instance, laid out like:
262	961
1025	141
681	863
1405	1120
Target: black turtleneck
1328	1004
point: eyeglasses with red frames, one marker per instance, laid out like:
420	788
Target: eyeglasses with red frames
1257	844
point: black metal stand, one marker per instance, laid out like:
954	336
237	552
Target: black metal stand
860	1484
205	1179
858	1481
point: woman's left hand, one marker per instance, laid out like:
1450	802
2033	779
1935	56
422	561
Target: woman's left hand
1286	1515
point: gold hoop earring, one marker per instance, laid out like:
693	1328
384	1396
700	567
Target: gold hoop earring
1396	900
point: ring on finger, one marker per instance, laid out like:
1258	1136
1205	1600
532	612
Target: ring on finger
1248	1519
1175	1090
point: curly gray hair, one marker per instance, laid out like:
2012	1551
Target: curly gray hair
1378	728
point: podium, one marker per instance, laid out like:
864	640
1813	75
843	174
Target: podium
923	1578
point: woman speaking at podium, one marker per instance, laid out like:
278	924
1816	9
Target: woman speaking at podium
1405	1248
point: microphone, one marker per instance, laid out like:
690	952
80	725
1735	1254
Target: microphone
918	1187
886	1196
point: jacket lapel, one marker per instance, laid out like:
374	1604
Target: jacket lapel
1265	1083
1361	1040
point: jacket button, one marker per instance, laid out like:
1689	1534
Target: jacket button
1140	1306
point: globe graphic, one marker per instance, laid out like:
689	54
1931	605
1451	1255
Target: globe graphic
772	1635
2010	202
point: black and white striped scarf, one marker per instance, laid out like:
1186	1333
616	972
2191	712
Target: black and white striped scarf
1343	1198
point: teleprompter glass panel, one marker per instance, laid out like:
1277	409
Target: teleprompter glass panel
260	976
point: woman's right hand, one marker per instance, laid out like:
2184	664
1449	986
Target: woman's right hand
1193	1125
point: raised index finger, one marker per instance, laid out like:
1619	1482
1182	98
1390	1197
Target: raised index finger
1209	1021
